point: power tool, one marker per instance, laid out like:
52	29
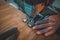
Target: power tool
35	10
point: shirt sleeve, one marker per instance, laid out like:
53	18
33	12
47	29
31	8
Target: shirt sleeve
55	6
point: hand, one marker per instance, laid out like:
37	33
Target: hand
48	27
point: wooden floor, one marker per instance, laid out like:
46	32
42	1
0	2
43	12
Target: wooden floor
10	16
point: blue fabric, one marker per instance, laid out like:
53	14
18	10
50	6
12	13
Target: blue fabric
28	9
55	6
56	3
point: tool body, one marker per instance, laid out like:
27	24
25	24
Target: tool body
35	10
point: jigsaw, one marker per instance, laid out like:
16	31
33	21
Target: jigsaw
35	10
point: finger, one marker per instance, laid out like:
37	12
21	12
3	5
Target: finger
44	30
51	24
52	19
49	33
40	26
41	21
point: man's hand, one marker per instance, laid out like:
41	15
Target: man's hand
48	27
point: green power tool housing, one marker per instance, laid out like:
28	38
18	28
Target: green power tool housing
29	8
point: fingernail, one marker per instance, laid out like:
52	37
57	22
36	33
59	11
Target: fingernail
34	27
38	32
46	34
50	27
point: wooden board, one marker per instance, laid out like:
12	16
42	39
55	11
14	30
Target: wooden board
10	16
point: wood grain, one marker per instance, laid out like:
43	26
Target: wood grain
10	16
